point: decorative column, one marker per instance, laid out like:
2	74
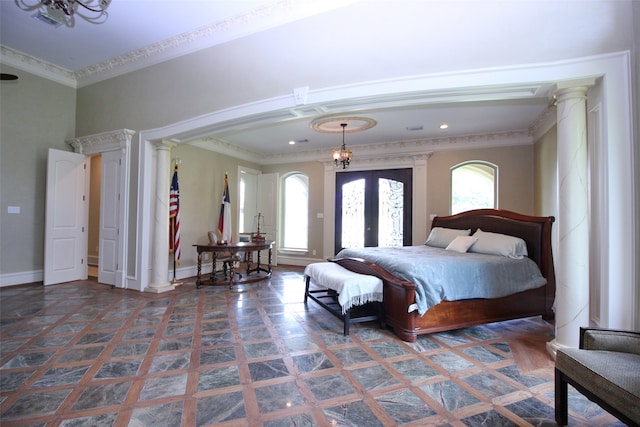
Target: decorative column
572	255
160	251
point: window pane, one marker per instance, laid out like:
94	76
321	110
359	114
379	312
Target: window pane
390	213
296	211
353	214
472	187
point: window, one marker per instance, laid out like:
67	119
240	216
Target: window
295	208
474	185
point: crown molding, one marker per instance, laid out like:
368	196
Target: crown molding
38	67
259	19
544	122
406	149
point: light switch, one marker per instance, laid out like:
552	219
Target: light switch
13	209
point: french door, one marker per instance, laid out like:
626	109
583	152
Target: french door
373	208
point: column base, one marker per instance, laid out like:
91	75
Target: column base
553	346
158	288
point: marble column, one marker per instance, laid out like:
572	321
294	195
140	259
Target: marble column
572	253
160	250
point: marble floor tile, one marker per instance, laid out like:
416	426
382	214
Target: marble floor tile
352	414
374	377
165	386
329	386
268	370
278	396
102	395
218	378
312	362
166	415
220	408
404	406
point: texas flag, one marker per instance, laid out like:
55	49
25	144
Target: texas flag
224	222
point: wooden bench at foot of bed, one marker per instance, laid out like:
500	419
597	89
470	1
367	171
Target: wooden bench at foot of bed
351	297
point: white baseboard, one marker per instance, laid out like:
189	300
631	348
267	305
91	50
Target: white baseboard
298	261
12	279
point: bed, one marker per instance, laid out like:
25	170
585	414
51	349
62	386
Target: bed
401	295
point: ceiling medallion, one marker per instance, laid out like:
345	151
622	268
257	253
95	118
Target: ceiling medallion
333	124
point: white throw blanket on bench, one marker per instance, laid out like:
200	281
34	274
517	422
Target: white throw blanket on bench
354	289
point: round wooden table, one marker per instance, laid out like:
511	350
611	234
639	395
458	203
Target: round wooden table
230	255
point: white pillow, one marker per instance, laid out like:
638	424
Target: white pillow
499	244
461	243
441	237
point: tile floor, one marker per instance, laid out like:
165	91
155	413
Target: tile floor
83	354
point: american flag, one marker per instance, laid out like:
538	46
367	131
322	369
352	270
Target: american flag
224	222
174	216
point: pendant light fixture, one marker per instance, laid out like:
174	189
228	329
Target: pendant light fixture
342	156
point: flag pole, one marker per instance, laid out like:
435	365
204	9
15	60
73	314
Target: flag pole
175	282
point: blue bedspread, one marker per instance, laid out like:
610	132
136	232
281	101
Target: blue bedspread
442	275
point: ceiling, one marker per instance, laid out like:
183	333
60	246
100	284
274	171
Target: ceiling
78	48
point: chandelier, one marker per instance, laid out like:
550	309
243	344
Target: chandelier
342	156
58	12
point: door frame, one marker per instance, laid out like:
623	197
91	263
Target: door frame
418	164
370	206
119	140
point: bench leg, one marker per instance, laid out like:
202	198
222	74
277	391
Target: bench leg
561	400
383	323
347	321
306	288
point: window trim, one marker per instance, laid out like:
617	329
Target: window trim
474	162
283	200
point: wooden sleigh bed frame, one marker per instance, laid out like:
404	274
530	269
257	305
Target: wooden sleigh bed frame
448	315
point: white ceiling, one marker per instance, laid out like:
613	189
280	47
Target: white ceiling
503	109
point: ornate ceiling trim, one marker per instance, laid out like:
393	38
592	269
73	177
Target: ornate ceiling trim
37	67
395	149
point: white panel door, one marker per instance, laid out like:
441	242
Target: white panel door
109	219
66	217
268	207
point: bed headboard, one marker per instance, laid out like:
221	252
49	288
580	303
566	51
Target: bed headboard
534	230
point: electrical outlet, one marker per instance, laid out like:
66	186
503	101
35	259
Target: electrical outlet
314	252
205	256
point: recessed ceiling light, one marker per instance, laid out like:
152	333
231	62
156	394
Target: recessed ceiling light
444	126
300	141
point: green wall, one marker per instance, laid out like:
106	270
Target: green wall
36	114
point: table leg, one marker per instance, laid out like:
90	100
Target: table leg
199	269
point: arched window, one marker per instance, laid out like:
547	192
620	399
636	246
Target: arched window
474	185
295	211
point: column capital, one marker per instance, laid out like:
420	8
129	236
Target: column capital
164	144
573	88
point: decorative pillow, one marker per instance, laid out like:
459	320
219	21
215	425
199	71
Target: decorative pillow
441	237
461	243
499	244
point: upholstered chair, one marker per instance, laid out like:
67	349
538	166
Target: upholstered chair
606	369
